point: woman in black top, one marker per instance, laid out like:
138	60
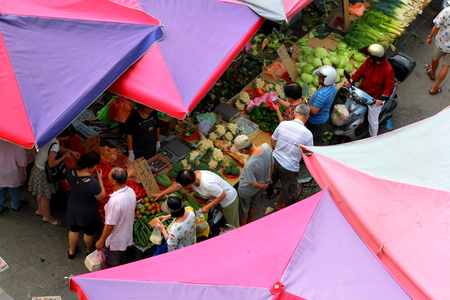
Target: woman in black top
82	207
142	133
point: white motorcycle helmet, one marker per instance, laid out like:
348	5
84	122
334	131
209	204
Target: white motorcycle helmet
376	50
328	73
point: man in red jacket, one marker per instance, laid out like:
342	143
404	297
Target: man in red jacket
378	80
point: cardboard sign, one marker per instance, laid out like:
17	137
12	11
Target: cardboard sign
93	143
146	177
286	59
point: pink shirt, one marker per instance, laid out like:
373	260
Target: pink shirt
119	211
13	160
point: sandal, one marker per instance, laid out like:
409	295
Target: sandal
438	90
54	223
429	69
275	193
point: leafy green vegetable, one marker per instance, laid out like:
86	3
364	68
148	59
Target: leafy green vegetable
320	52
307	78
359	57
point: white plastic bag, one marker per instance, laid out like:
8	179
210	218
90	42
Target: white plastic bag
156	237
340	115
95	261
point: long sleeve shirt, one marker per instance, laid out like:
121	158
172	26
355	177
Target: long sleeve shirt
377	79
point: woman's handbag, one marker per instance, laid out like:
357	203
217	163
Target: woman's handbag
57	172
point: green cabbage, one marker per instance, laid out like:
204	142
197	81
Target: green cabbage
300	58
317	62
315	80
301	64
307	68
343	60
334	60
359	57
299	81
341	45
340	72
310	58
348	68
320	52
326	62
306	50
357	64
307	77
344	52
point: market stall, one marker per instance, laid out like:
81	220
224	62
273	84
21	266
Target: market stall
188	145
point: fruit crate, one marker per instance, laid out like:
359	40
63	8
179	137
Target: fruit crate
135	252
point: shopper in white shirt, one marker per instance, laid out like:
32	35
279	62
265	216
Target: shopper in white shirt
287	155
209	185
117	234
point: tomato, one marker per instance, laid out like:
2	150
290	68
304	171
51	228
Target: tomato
139	217
147	204
142	210
153	211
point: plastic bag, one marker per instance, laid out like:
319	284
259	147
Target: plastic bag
205	122
156	237
357	9
95	261
267	98
119	109
201	226
276	70
103	114
340	115
110	155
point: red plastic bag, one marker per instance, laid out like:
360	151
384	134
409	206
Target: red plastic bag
119	110
357	9
276	70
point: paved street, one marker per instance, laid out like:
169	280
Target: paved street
37	252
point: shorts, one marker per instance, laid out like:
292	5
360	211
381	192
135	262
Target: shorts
88	229
318	132
115	258
252	202
289	181
445	56
231	213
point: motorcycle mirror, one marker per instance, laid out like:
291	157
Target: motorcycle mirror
347	75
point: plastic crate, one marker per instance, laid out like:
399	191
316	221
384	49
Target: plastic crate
135	252
337	26
156	167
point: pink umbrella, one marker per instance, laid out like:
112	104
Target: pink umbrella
394	190
201	39
306	251
58	56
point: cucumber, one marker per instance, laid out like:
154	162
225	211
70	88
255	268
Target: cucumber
178	195
182	192
193	202
162	182
165	177
199	196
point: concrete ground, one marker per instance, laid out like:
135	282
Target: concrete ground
37	252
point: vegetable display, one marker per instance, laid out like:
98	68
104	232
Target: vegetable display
265	117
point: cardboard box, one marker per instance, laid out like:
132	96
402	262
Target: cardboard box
167	125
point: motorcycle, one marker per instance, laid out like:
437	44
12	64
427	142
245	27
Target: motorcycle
356	126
